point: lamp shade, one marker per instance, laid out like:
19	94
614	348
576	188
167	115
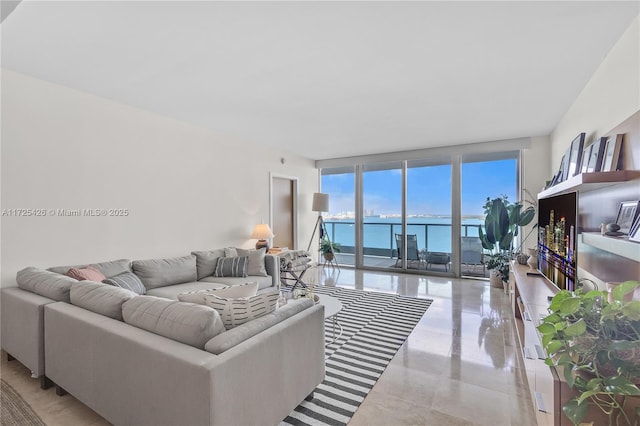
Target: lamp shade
320	202
262	232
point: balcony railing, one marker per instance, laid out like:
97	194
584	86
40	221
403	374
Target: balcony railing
379	237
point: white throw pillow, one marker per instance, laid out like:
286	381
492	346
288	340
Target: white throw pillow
235	312
243	290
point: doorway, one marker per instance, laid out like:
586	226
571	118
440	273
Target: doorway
284	201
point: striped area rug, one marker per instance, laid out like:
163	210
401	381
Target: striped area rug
374	327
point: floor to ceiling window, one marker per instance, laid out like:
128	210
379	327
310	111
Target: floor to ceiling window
429	214
339	183
401	215
382	212
483	176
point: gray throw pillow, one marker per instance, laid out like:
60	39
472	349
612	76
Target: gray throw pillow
256	261
231	267
128	281
206	262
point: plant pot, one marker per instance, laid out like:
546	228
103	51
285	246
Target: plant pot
328	256
495	279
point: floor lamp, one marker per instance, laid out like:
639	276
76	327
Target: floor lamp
320	205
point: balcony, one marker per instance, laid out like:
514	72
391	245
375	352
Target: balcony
380	249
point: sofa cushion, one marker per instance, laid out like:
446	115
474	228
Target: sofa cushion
231	338
238	311
45	283
127	280
163	272
243	290
206	262
108	269
89	273
187	323
256	261
231	267
100	298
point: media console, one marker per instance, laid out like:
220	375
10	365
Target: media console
529	301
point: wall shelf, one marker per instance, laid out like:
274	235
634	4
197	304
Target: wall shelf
590	181
616	245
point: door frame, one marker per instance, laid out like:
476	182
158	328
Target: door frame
294	213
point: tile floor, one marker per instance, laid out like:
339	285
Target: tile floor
460	366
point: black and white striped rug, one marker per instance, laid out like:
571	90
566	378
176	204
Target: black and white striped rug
374	327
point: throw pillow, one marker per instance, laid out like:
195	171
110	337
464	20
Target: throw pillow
230	252
231	267
127	280
243	290
238	311
256	261
89	273
206	262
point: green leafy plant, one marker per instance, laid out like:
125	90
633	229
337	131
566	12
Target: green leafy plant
596	342
326	246
502	223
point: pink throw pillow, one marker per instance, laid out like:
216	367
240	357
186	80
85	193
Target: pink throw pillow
89	273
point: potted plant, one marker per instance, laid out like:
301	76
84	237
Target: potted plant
328	248
502	222
596	341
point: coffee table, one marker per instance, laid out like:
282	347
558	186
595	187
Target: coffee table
332	307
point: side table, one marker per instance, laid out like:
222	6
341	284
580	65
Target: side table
332	307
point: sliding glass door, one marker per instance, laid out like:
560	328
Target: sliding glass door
428	214
486	175
419	215
381	214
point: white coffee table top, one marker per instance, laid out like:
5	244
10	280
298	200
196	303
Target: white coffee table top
332	306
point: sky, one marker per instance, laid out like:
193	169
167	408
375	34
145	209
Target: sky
428	189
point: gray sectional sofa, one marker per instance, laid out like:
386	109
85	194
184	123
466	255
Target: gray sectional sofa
153	360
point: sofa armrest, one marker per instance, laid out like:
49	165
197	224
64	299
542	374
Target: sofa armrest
23	327
288	357
272	265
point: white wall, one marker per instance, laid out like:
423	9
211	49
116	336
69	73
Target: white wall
611	96
185	187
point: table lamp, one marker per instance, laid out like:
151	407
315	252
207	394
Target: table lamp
262	232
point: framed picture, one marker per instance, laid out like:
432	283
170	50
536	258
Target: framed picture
597	155
627	215
564	168
611	159
575	155
586	155
634	232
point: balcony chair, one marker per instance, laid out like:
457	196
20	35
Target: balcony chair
472	253
413	255
438	258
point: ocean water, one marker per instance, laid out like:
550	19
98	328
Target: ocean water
433	233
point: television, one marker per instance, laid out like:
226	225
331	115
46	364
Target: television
557	241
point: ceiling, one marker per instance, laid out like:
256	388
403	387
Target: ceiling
326	79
